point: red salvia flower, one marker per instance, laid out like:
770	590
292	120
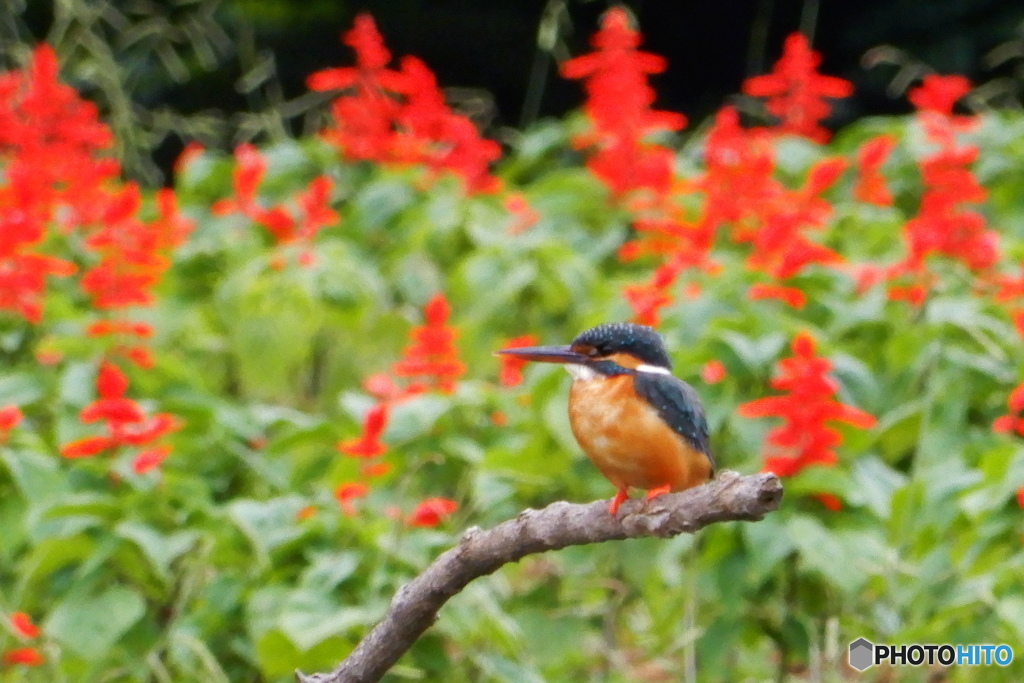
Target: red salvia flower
433	353
871	187
125	421
401	116
369	445
796	92
804	438
112	410
110	381
347	493
150	459
432	511
712	372
374	469
148	430
312	205
945	223
86	447
25	656
1012	422
791	296
914	295
523	215
618	106
511	373
938	94
649	298
246	178
107	328
830	501
1009	293
22	625
171	228
10	416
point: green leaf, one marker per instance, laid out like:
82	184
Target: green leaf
267	524
414	418
38	476
327	570
160	549
20	388
90	625
309	617
873	483
824	554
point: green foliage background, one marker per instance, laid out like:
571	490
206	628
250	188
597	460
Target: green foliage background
203	572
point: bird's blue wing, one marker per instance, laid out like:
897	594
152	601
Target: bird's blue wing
678	405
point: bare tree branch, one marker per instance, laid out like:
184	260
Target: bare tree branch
414	608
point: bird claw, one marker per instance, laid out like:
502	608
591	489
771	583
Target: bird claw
658	491
620	496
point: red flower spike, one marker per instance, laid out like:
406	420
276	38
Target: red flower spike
305	513
87	447
110	381
712	372
1012	422
140	356
10	416
368	445
938	94
106	328
121	410
150	459
25	656
401	117
871	187
147	431
523	215
374	470
791	296
912	294
382	387
804	438
23	627
796	92
171	228
347	493
829	501
432	511
433	351
436	311
1016	400
649	298
618	106
511	373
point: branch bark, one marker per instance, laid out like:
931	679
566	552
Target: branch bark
729	497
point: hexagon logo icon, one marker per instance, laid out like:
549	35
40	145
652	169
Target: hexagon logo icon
861	654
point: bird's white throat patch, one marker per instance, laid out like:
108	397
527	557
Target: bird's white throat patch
582	372
653	369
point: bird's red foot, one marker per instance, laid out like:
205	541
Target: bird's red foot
658	490
620	496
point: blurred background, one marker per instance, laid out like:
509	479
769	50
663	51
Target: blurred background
225	71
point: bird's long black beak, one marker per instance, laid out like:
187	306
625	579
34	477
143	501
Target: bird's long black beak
546	354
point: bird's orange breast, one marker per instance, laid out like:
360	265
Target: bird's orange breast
627	440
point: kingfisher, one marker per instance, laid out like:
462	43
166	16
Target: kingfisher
641	426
